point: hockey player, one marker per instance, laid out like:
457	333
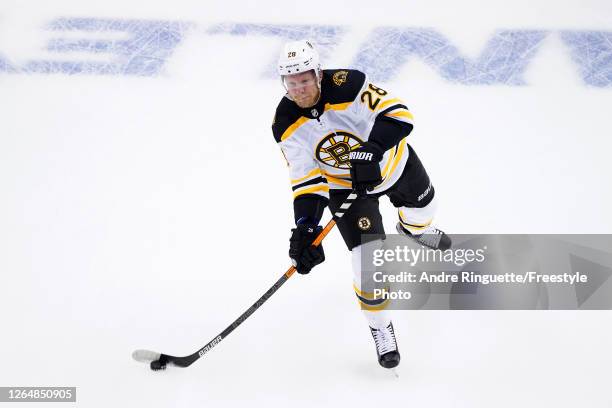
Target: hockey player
339	132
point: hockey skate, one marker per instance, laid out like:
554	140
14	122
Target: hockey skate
431	237
386	346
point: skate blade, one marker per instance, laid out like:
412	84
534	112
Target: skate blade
395	373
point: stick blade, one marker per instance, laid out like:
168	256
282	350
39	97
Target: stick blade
145	356
395	373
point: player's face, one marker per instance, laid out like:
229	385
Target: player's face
303	88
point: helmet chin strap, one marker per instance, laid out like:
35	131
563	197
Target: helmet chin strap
319	76
318	99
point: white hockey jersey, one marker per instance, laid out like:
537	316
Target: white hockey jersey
316	141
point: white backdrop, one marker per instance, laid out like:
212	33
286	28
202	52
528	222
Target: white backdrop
150	211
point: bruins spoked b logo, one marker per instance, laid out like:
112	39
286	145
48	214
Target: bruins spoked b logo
364	223
334	149
340	77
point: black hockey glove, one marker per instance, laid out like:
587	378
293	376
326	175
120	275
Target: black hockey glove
304	255
365	170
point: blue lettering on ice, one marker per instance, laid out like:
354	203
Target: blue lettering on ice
5	65
147	46
592	51
324	36
503	60
144	46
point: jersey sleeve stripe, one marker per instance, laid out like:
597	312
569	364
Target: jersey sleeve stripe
287	133
393	108
401	114
388	102
393	161
398	156
389	160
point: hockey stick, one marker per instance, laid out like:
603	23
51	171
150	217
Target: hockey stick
158	361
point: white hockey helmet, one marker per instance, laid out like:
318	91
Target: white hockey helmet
297	57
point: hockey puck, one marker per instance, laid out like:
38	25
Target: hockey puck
157	365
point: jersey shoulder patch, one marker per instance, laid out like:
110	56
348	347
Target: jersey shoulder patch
286	115
341	85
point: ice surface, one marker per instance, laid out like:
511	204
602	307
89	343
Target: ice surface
146	208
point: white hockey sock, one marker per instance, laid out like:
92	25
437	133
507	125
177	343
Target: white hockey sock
374	310
416	220
379	319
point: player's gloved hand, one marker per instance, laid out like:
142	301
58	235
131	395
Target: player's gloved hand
365	170
304	255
